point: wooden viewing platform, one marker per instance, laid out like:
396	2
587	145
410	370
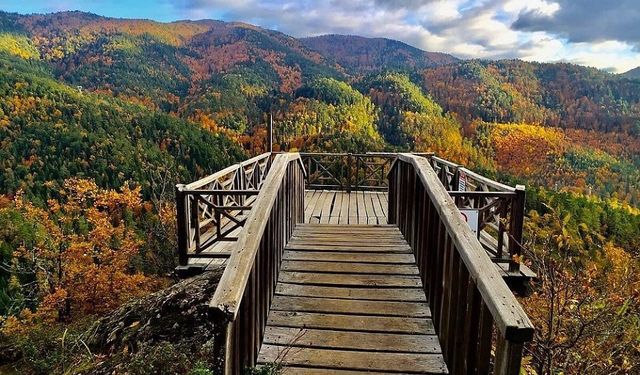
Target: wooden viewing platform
359	263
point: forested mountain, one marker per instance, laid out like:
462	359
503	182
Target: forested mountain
51	132
100	117
173	66
558	95
360	55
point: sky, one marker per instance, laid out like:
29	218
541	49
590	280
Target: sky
601	33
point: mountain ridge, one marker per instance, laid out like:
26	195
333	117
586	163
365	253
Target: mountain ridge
362	54
197	68
631	73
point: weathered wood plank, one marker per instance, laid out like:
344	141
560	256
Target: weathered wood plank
344	209
384	203
351	248
353	209
311	205
368	204
295	370
327	256
360	323
327	203
344	237
317	209
335	209
308	196
328	227
358	307
377	206
337	205
371	294
355	280
350	267
365	341
325	238
362	210
357	360
355	236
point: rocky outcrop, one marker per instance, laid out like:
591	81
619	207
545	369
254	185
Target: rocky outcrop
175	317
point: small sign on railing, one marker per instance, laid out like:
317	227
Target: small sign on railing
470	215
462	181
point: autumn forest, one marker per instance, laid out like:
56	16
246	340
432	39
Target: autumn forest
100	117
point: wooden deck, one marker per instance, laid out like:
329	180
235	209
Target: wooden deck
349	298
339	207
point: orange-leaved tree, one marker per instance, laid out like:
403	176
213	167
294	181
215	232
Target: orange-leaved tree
83	262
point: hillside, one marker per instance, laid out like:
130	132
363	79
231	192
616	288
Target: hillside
51	132
633	73
185	66
161	64
557	95
359	55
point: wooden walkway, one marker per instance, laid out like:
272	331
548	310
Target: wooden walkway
339	207
349	300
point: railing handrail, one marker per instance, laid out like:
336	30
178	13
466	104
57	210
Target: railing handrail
211	178
456	169
487	181
368	153
511	320
445	162
230	290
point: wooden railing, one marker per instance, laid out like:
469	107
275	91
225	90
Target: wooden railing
244	294
467	295
214	209
500	209
346	171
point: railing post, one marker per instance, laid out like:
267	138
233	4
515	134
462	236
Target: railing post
181	225
349	174
229	349
515	227
391	198
508	356
455	181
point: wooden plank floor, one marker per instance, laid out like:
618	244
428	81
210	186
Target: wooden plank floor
340	207
349	301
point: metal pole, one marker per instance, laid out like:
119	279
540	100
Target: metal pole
270	135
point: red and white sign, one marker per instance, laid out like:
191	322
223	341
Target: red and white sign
462	181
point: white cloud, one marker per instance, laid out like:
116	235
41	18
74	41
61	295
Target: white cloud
604	55
468	29
544	8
